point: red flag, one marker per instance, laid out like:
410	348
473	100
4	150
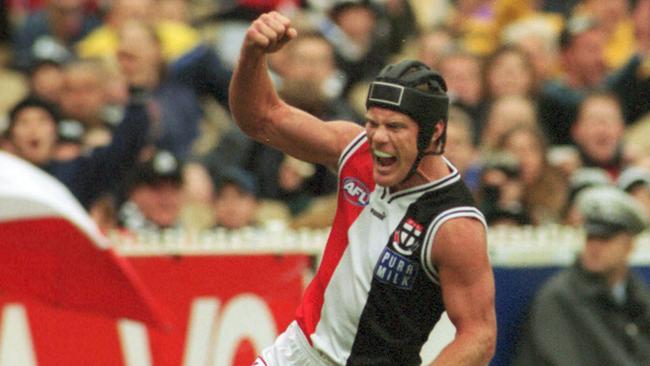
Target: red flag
51	249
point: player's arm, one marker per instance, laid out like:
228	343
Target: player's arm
460	254
261	114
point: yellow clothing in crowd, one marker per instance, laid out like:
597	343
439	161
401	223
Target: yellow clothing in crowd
176	38
621	45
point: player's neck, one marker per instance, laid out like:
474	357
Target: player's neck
431	168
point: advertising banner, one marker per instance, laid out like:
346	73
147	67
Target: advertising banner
221	310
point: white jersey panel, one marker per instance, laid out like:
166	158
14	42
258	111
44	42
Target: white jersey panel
347	293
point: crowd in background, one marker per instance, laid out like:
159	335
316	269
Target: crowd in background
548	97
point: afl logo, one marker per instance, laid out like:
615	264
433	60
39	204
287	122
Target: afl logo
355	192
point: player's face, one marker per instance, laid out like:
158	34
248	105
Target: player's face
33	135
393	140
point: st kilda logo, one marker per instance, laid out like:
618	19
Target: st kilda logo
407	237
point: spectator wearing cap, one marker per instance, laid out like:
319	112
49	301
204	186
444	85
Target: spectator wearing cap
235	203
579	180
32	135
635	180
596	312
153	194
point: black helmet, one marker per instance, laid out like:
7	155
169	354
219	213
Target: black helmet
412	88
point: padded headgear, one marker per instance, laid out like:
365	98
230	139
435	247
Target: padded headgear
412	88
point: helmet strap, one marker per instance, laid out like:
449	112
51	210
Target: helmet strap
440	147
414	167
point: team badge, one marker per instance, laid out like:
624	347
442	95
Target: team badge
407	237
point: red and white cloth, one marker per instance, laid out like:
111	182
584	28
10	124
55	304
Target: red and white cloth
52	250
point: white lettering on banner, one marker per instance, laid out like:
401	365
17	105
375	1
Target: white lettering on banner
199	330
16	346
213	336
135	343
244	317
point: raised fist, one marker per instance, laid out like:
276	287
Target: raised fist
270	32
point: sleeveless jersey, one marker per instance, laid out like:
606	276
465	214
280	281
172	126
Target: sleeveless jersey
376	297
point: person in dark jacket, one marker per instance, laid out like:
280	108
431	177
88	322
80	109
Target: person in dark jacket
595	312
32	135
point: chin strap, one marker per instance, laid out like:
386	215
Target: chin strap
414	167
418	159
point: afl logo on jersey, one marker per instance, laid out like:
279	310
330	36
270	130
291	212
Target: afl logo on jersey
407	237
355	191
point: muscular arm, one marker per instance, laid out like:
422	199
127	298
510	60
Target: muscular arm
460	254
261	114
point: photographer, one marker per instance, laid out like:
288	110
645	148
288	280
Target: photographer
501	191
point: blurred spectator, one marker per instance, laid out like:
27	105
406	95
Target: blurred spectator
46	79
635	181
293	177
235	203
475	22
508	71
32	135
463	73
310	68
504	114
312	83
173	10
579	180
538	39
433	44
14	86
360	35
70	143
564	7
460	149
617	24
176	38
582	43
598	133
153	194
501	192
401	22
32	130
596	312
84	98
544	186
283	179
51	33
177	86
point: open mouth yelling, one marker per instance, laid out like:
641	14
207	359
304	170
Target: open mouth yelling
384	159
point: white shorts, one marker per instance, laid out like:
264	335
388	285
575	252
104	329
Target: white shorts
291	348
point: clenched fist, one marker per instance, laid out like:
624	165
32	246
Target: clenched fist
270	32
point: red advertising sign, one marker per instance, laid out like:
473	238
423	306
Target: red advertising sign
222	311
